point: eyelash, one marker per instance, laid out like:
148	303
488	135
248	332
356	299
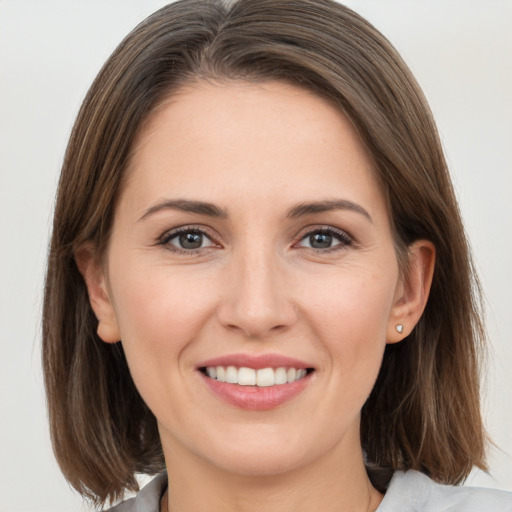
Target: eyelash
341	236
169	236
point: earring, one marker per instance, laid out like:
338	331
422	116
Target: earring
399	328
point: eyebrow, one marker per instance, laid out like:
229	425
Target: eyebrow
209	209
325	206
183	205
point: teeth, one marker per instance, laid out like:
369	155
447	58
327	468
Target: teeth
246	377
291	374
280	376
263	377
231	375
221	373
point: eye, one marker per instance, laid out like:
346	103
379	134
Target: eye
187	240
325	239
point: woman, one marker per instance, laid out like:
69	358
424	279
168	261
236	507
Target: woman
258	280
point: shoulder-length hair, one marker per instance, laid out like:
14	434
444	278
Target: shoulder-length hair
424	410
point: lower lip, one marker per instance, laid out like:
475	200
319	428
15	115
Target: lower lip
257	398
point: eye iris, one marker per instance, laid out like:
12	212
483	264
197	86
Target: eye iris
320	240
191	240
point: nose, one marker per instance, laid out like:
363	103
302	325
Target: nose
257	299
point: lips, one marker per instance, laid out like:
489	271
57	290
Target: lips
256	382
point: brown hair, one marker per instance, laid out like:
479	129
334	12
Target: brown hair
424	410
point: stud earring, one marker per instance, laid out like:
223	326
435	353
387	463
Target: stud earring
399	328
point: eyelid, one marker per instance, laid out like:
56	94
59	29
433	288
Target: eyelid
346	240
170	234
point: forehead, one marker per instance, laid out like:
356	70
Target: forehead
248	139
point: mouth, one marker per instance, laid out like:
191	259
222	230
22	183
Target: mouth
259	377
256	382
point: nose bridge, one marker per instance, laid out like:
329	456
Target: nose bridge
257	301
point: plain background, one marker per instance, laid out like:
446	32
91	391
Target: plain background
50	50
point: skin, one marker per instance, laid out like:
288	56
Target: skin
256	285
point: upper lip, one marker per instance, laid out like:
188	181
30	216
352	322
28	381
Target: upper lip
256	361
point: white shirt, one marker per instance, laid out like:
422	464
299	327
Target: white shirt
408	491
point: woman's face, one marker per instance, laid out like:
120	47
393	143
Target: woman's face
250	234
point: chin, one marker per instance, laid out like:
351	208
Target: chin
260	463
263	450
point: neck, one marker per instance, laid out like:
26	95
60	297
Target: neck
336	482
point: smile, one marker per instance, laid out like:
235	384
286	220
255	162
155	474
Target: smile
262	377
256	382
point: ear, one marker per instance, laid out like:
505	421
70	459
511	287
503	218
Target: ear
101	303
412	292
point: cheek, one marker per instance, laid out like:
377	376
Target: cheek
351	319
160	315
158	306
352	328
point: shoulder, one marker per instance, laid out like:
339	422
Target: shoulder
147	500
412	491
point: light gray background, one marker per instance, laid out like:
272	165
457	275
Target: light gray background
50	50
